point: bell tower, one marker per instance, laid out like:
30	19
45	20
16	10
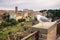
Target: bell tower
16	9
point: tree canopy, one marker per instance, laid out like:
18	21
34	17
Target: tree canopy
55	12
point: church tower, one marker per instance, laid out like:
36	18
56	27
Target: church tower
16	9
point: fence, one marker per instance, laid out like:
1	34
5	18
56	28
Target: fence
35	34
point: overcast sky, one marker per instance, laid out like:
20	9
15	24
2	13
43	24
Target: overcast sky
30	4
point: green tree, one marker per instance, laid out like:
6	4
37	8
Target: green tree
43	10
56	13
6	17
21	20
13	22
25	28
4	24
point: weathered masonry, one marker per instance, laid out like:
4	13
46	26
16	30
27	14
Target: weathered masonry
47	30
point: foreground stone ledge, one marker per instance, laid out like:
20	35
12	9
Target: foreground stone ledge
49	29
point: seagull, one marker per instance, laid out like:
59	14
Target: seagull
42	18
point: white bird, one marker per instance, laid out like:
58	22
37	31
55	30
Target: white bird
42	18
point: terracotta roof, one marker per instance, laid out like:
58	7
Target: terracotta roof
4	11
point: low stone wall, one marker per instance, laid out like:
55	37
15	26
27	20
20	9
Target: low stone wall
58	28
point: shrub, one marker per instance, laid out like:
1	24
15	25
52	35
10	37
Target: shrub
21	20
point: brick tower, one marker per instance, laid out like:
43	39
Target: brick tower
16	9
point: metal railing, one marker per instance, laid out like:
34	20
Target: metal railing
58	21
35	34
58	27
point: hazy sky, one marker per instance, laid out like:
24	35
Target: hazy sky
30	4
